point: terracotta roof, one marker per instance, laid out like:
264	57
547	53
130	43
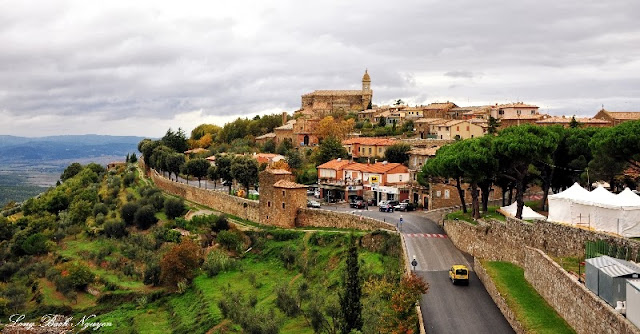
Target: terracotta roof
196	150
288	184
369	141
287	126
337	93
380	167
278	171
453	122
429	151
538	116
334	164
439	105
563	119
623	114
517	105
430	120
267	135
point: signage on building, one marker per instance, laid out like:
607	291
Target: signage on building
374	179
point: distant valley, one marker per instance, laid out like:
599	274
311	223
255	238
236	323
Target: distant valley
28	166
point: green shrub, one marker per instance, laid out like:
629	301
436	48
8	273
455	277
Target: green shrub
284	235
157	200
115	229
172	236
288	256
174	207
229	240
145	217
128	212
218	261
35	244
100	208
287	301
129	179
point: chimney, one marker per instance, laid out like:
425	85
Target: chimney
375	161
284	117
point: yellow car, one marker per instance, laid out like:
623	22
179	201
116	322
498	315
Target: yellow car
459	273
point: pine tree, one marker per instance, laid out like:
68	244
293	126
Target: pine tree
350	303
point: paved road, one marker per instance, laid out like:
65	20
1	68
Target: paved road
446	308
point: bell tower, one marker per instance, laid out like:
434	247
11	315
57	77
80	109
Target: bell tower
366	81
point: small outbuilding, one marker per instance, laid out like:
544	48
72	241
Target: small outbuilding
633	301
607	276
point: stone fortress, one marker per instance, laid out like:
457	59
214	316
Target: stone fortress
321	103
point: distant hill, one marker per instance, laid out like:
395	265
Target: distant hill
24	149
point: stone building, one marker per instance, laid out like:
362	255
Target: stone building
325	102
617	117
280	198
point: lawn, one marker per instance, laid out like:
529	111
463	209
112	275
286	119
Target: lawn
490	214
531	310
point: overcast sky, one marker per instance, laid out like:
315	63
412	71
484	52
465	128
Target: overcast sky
138	67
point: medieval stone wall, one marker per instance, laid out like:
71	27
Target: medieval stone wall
325	218
240	207
525	244
494	240
581	308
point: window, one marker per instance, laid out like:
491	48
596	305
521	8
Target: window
533	112
400	178
467	128
446	194
283	193
458	128
379	149
501	112
269	204
283	205
438	193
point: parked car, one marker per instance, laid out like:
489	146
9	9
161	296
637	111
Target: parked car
459	273
385	207
310	192
313	204
393	203
358	204
404	206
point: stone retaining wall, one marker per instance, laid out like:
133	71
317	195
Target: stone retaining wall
325	218
581	308
500	241
497	297
233	205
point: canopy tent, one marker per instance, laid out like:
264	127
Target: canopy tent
527	212
599	209
561	205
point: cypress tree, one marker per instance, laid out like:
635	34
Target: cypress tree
350	303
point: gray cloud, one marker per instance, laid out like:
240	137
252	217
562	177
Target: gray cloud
134	68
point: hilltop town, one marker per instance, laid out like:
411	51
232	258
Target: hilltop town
343	216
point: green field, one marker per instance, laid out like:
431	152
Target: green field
531	310
490	214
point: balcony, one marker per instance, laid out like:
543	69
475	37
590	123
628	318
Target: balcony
342	183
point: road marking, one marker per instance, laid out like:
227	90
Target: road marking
426	235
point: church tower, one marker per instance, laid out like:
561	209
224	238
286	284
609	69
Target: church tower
366	81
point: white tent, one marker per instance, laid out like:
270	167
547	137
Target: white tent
527	212
562	206
599	209
630	213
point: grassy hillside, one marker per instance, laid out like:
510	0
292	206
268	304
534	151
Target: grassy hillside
104	243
